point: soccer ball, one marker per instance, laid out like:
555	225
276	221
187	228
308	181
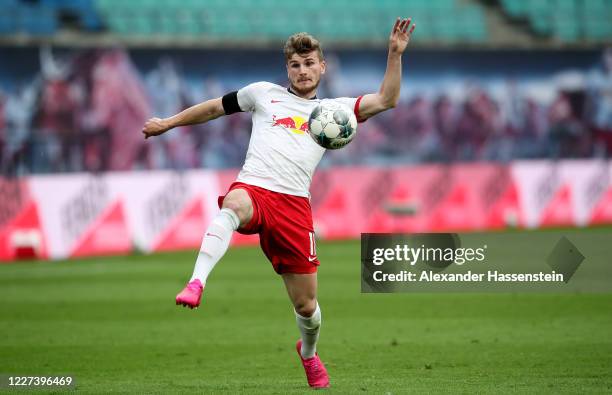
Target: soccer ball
332	124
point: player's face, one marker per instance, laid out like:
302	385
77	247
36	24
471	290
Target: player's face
304	72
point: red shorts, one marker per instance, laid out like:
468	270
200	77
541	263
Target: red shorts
284	224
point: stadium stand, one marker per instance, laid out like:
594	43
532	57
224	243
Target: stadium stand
478	105
564	20
340	20
44	17
72	113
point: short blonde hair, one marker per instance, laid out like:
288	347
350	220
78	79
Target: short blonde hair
302	44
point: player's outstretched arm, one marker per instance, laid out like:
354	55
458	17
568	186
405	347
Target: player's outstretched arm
200	113
389	92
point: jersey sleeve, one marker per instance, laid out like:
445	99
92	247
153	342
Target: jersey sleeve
250	95
353	103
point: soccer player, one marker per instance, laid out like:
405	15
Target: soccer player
271	194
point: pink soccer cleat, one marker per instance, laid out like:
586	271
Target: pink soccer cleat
315	370
191	295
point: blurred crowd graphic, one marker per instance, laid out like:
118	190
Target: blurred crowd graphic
84	110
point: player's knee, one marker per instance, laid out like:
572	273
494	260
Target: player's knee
239	202
305	307
233	205
239	208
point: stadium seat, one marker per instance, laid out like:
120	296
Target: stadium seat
565	27
598	29
8	23
37	20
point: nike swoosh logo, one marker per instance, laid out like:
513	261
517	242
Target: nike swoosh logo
214	235
312	258
275	101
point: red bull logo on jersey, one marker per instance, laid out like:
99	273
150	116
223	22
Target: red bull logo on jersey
295	124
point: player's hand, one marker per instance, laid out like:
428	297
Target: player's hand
400	35
155	127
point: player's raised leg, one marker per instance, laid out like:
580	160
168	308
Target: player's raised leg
237	210
302	290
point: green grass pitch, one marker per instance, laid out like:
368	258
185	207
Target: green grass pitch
113	325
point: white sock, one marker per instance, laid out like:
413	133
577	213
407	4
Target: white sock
216	241
309	328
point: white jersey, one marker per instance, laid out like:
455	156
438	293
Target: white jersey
282	156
